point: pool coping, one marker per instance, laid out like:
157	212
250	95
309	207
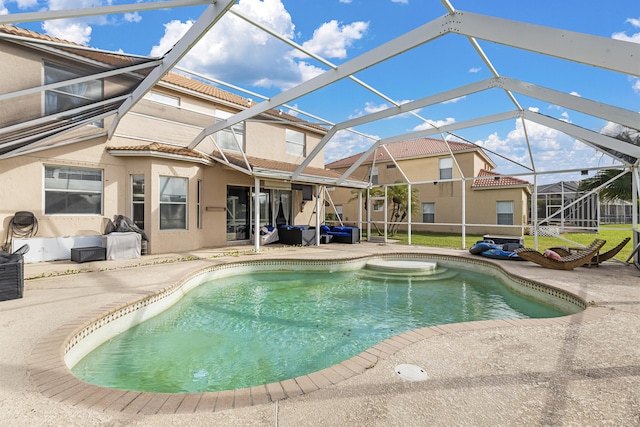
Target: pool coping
52	377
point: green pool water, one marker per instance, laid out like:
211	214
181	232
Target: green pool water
259	328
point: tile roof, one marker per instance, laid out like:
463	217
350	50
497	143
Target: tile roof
233	158
172	78
412	148
490	179
74	48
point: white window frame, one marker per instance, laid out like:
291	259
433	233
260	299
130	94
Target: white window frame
445	165
373	173
135	202
60	179
75	94
339	211
429	208
378	206
296	142
177	201
226	138
505	211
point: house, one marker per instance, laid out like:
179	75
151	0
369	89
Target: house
76	152
495	204
563	205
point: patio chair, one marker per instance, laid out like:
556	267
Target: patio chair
564	251
569	262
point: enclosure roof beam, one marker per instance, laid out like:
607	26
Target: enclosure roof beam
589	137
593	108
601	52
403	43
93	11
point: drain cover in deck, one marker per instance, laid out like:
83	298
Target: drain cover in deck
411	372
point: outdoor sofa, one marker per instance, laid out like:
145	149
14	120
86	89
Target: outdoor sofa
341	234
299	235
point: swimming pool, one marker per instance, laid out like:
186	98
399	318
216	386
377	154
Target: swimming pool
254	328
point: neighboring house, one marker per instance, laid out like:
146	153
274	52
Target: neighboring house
68	158
567	208
495	204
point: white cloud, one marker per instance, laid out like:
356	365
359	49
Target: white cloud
400	1
132	17
78	32
345	144
437	123
552	150
635	38
634	21
234	50
575	94
474	69
22	5
345	1
331	40
636	86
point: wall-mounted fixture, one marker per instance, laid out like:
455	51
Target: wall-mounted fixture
583	173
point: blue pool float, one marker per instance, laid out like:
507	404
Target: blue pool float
489	249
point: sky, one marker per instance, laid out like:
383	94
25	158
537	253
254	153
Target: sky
340	30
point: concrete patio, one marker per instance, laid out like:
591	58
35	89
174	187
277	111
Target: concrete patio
582	369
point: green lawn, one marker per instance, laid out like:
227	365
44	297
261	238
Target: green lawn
613	234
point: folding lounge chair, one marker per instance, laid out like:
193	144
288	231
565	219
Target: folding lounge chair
564	251
569	262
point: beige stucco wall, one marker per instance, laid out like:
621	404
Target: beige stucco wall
23	188
22	177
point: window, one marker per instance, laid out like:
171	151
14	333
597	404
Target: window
391	166
504	213
72	190
339	212
378	206
163	99
295	142
429	213
226	138
446	168
68	97
373	173
199	205
137	200
173	203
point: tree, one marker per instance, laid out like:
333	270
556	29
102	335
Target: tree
620	189
398	196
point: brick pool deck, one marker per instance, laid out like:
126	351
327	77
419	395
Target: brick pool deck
582	369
